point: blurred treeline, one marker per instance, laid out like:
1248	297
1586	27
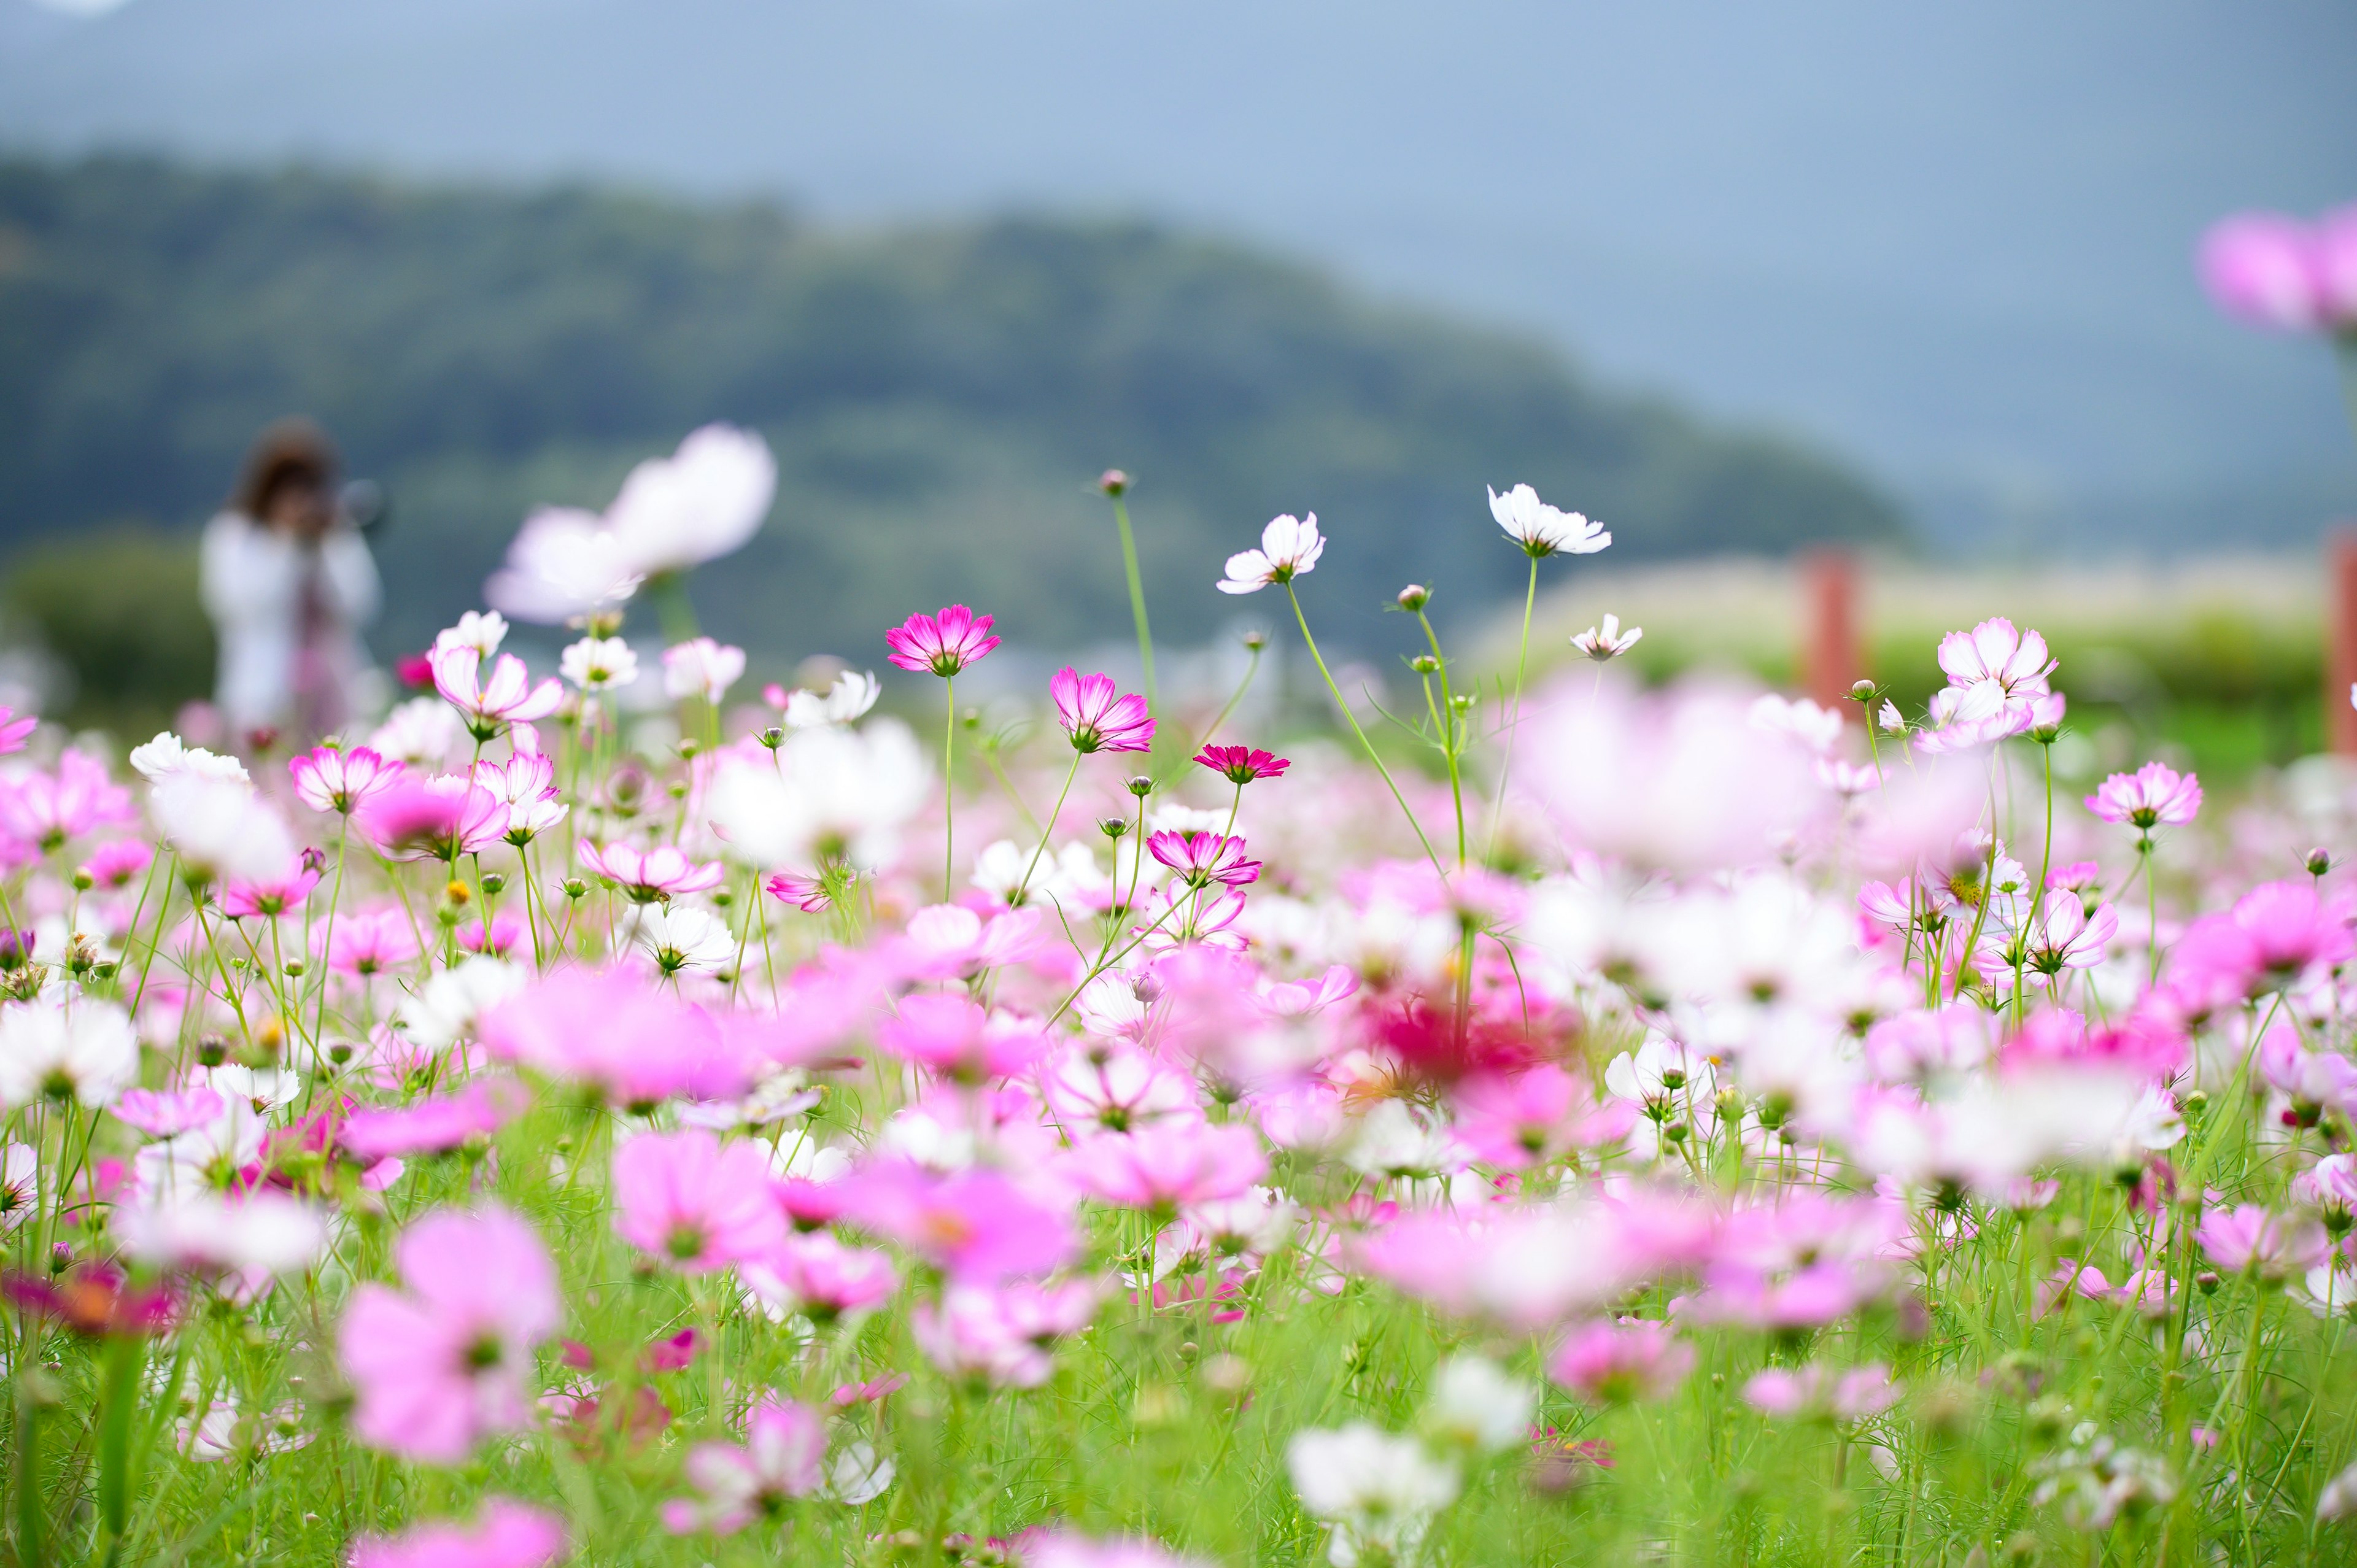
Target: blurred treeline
939	399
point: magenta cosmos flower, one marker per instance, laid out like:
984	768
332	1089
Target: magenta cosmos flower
506	1534
648	875
438	1366
2280	271
44	810
1002	1336
1242	764
958	1039
977	1226
333	780
440	818
2268	1246
942	644
694	1201
1165	1166
779	1461
820	1278
2153	795
1200	859
635	1046
508	697
1618	1363
1097	717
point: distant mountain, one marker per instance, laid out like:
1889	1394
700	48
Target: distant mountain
940	398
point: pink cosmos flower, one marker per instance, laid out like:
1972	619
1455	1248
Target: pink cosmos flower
1003	1335
167	1113
500	939
942	644
526	785
506	1534
1202	858
785	1443
1818	1392
2276	933
1531	1117
820	1278
694	1201
1096	717
332	778
369	941
115	865
248	898
1618	1363
1242	764
701	668
648	875
1165	1166
14	731
44	810
977	1226
2280	271
2330	1186
2268	1246
439	817
434	1124
2314	1082
438	1367
1289	546
2153	795
606	1030
1091	1088
949	941
1062	1549
508	697
810	895
959	1041
1996	660
2066	937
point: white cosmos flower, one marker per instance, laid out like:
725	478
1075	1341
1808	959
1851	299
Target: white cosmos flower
563	562
20	1185
1814	727
264	1232
1478	1404
1607	642
220	828
447	1006
424	732
831	794
1288	547
84	1051
1377	1490
703	502
1540	529
678	937
167	757
481	631
595	663
849	699
701	668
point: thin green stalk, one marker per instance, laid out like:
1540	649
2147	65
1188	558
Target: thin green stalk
1041	848
1137	600
1352	719
949	785
1449	736
1514	720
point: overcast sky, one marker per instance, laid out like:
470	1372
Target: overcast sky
1951	241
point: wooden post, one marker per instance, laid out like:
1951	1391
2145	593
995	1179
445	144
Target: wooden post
1831	660
2340	640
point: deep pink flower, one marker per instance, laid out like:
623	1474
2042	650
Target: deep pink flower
977	1226
780	1459
434	1124
1616	1363
1242	764
437	1367
942	644
506	1534
694	1201
508	697
432	819
369	941
810	895
818	1277
959	1041
2268	1246
1004	1334
2153	795
2275	934
1200	859
115	865
1096	717
648	875
608	1031
1165	1166
329	779
43	811
506	929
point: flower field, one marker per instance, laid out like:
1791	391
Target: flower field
1674	1126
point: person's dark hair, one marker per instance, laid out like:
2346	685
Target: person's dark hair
290	451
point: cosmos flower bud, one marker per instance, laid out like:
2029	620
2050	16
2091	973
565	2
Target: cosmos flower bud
1862	692
494	883
1113	827
575	887
1425	664
1114	482
1140	785
2319	862
1415	596
1256	639
773	737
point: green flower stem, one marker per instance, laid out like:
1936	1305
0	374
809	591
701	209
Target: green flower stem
1352	719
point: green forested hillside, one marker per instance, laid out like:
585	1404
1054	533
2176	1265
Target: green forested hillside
939	397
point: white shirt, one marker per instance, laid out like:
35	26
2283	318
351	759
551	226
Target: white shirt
252	581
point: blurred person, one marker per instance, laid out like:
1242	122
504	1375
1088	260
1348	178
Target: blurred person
289	583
